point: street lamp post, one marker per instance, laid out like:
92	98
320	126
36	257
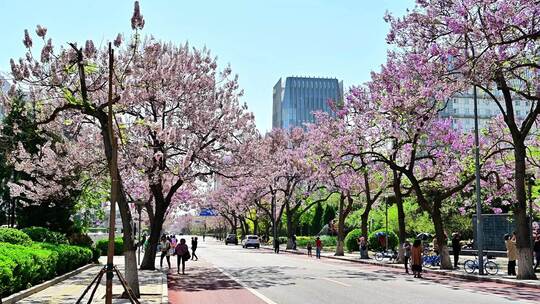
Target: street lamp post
386	236
479	228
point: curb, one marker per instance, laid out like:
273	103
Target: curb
440	272
14	298
164	289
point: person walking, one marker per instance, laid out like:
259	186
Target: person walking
362	246
456	247
406	255
165	245
194	243
536	249
318	247
511	252
276	245
416	258
294	242
182	255
309	248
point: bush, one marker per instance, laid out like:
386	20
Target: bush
351	240
375	245
41	234
102	246
24	266
14	236
80	239
327	240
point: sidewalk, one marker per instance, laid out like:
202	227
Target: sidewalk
501	277
152	286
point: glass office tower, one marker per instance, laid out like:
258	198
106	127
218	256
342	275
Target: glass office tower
294	102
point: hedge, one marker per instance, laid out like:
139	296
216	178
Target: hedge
103	245
373	240
24	266
327	240
351	240
14	236
41	234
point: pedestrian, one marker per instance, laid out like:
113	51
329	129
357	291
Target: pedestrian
203	236
362	246
318	247
294	242
165	245
182	255
406	255
511	252
537	251
194	243
435	246
174	241
416	258
309	254
276	245
142	243
456	247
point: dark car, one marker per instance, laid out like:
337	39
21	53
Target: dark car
231	239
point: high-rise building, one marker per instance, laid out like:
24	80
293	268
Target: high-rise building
295	101
461	108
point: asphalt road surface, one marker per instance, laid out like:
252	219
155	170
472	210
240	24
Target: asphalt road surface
231	274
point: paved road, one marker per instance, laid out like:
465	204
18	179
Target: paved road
260	276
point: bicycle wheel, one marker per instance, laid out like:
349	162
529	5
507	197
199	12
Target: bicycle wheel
379	256
491	267
469	266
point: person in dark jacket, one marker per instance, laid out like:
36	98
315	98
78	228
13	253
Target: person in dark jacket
182	255
194	243
456	247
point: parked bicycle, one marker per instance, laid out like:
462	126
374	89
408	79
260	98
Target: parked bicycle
389	254
490	267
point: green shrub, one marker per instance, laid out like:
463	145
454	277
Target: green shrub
102	246
14	236
80	239
327	241
41	234
374	244
351	240
24	266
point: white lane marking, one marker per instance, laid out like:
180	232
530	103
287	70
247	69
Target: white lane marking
253	291
337	282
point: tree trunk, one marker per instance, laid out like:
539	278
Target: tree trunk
130	258
525	257
442	239
291	229
149	259
340	248
256	226
401	215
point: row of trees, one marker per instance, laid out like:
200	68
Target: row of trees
387	138
176	118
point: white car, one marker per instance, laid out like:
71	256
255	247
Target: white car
251	241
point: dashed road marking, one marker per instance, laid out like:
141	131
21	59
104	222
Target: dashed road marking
253	291
337	282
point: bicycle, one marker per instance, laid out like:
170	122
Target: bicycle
390	254
490	267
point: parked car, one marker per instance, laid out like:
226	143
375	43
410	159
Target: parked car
231	239
251	241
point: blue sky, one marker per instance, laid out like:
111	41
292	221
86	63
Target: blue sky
262	40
